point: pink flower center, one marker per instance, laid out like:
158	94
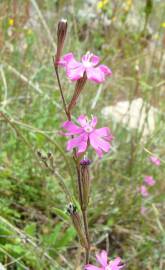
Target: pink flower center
87	60
88	128
108	268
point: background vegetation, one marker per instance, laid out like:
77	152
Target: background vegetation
35	232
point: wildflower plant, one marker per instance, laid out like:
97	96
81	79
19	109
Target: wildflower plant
82	134
148	183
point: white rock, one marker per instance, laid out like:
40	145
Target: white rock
2	267
136	114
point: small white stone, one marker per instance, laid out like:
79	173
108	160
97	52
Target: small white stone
136	114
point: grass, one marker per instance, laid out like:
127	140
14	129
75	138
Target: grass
35	231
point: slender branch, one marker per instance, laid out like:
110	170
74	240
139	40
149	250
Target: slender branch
86	224
79	185
85	220
61	91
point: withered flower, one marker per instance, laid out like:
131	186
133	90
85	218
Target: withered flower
61	34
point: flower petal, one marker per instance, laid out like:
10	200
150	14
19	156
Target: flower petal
144	191
93	121
71	128
155	160
92	267
83	145
103	132
76	72
69	58
149	180
104	145
106	70
82	119
99	152
95	59
79	142
116	264
95	74
98	143
102	258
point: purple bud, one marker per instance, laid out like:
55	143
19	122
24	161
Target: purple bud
85	162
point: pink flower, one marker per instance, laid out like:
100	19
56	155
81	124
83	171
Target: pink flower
102	258
143	210
143	190
87	135
155	160
89	64
149	180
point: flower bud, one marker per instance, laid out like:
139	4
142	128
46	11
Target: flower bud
78	88
85	181
72	211
61	34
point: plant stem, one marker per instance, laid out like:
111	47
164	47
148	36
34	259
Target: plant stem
85	220
61	92
84	211
79	185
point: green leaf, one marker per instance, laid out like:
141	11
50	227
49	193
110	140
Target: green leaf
30	229
52	238
68	236
61	213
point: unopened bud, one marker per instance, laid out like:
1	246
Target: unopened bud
78	88
50	159
43	158
39	153
72	211
61	34
85	181
85	162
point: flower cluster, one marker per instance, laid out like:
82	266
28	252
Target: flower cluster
102	259
87	134
83	135
148	182
155	160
